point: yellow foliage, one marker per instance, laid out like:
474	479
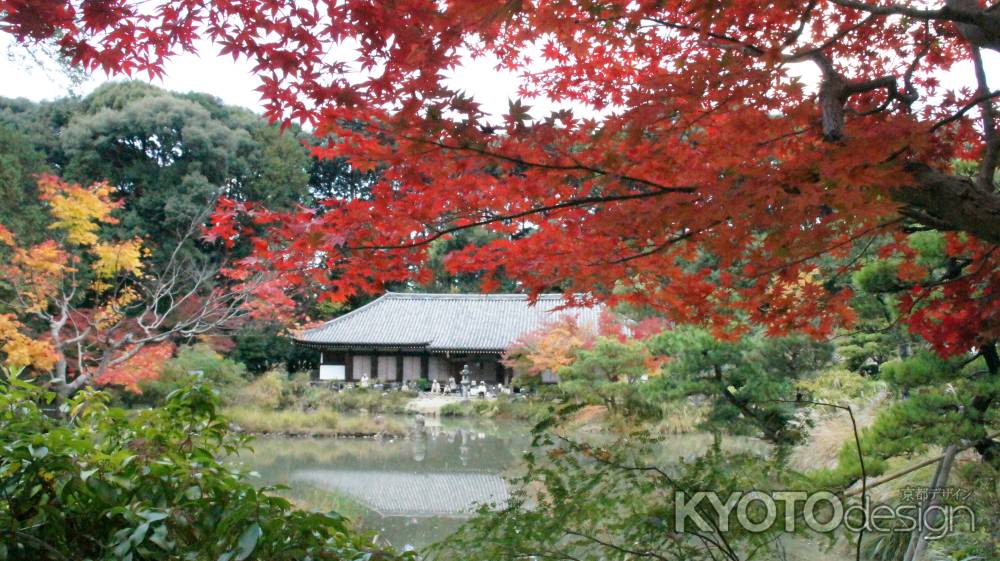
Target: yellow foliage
6	237
112	311
113	259
807	280
77	210
37	273
21	351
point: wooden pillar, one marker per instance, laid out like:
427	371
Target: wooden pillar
348	366
373	367
399	368
425	366
322	361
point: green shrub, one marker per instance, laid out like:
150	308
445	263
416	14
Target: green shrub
298	392
276	390
227	376
101	483
503	407
838	385
267	348
265	392
463	408
373	401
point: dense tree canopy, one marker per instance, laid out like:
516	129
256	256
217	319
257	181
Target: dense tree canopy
708	143
168	155
19	163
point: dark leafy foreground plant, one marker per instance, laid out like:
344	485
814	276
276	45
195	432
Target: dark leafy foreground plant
102	483
615	501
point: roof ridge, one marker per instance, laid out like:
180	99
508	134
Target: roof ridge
467	295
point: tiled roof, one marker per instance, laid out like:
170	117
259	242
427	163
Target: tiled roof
440	322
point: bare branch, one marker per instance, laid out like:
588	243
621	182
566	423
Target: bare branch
989	164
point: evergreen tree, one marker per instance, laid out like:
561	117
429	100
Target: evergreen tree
21	211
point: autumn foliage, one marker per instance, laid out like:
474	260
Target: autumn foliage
693	170
556	345
40	277
145	365
82	307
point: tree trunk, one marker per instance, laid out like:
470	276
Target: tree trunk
918	542
988	448
950	202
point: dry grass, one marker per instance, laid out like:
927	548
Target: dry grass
314	423
681	417
831	432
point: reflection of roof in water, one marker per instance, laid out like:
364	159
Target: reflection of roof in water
396	493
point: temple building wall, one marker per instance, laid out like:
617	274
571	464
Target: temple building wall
411	368
396	367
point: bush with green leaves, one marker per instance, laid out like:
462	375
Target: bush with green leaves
265	392
101	483
370	400
941	402
265	348
749	384
200	360
607	373
837	385
506	407
615	502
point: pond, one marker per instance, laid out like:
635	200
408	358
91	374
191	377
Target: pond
412	491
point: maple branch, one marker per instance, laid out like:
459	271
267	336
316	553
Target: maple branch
829	42
981	27
572	203
687	234
945	13
825	250
965	109
576	166
835	90
756	51
949	202
616	547
954	272
803	20
176	300
748	48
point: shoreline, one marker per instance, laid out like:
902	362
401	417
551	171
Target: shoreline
323	434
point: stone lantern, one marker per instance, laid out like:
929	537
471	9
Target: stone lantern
466	380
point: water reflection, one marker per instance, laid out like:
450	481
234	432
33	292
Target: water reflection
412	491
418	490
399	493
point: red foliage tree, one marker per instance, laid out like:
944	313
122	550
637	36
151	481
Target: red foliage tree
146	364
712	186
